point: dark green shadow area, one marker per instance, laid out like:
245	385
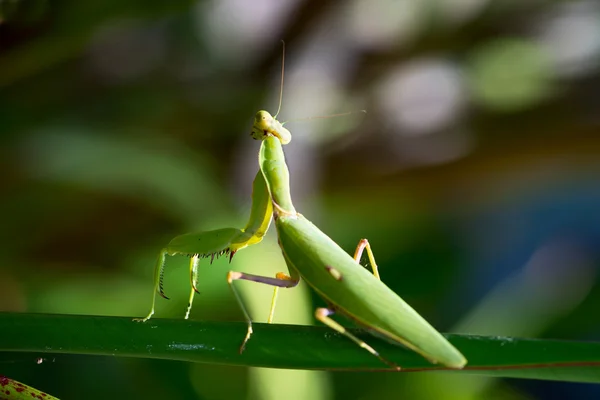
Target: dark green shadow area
286	346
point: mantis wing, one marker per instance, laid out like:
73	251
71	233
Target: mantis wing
357	293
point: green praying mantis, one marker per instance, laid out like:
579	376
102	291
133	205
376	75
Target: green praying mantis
348	288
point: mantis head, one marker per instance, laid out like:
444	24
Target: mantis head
265	123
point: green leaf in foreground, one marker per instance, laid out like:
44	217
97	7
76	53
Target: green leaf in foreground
287	346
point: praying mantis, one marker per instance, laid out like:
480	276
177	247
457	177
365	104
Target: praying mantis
347	287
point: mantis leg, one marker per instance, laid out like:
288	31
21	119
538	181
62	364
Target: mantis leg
158	272
194	262
364	243
281	280
323	315
283	276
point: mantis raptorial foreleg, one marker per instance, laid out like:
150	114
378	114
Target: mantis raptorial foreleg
194	263
158	272
281	280
364	243
213	244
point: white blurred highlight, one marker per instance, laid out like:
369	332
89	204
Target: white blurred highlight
422	97
384	23
231	27
461	11
571	35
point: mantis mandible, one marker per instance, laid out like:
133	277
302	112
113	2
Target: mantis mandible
310	254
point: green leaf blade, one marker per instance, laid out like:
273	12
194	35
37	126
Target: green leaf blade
288	346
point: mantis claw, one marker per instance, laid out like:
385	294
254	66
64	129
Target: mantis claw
248	334
160	289
147	317
195	288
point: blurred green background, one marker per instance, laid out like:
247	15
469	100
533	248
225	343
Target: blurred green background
474	174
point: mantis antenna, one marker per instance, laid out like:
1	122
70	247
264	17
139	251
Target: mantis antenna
324	116
282	73
281	97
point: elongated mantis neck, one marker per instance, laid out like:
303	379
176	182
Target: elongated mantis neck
272	163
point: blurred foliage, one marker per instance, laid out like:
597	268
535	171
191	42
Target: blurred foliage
474	173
